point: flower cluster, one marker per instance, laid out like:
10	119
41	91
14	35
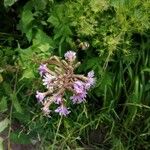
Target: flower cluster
60	79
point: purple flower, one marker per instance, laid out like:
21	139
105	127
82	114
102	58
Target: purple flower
89	83
47	81
40	96
90	80
62	110
70	56
57	99
78	98
43	69
91	74
78	86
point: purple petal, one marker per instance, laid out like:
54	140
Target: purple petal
43	69
47	81
57	99
78	86
90	80
70	56
78	98
62	110
91	74
40	96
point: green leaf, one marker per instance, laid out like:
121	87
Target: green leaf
91	63
27	16
1	78
54	21
22	117
26	22
1	143
3	104
44	47
4	124
42	37
146	70
40	5
9	2
28	74
29	34
16	103
20	138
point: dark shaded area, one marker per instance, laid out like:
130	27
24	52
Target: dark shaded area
9	35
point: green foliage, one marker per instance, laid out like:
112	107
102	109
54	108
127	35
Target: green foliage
3	104
20	138
1	143
4	124
117	109
9	2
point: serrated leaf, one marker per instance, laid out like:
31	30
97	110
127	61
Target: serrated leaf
4	124
9	2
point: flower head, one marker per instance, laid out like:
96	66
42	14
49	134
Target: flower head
62	110
59	79
43	69
70	56
40	96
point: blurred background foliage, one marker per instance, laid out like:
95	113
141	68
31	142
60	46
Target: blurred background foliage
111	37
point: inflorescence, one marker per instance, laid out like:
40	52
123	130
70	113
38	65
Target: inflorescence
61	78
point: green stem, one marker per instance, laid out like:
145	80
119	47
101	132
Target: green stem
56	133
